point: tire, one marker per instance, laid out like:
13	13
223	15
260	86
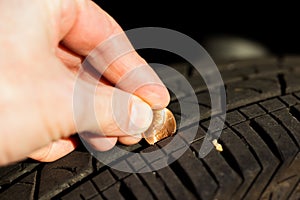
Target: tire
260	160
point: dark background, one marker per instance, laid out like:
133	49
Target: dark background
274	25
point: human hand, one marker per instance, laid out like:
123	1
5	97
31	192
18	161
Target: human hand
42	46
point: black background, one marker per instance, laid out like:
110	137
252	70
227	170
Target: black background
275	25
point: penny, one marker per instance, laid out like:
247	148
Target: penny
163	125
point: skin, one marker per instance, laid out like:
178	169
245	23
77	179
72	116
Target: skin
42	44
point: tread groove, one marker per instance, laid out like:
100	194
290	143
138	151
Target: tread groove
37	181
96	188
295	113
166	187
294	94
75	185
282	83
294	188
126	192
266	138
252	151
285	128
7	185
231	161
270	180
81	197
184	178
35	184
147	186
94	164
208	169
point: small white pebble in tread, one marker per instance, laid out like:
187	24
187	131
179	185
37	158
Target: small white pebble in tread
217	145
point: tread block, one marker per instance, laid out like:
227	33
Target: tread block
179	146
250	91
174	185
199	181
84	191
234	117
113	192
282	189
272	105
252	111
292	124
296	192
119	175
225	176
284	184
136	187
264	156
103	180
292	82
154	161
12	172
156	185
23	189
215	126
199	135
297	94
290	100
59	175
240	159
188	116
137	163
281	144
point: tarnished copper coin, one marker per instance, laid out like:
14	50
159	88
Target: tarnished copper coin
163	125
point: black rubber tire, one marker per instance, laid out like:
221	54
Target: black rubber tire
260	160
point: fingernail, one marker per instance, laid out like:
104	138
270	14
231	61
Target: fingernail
141	116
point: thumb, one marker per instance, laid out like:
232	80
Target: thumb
107	111
100	113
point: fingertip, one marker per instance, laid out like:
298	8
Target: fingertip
55	150
99	143
157	96
129	140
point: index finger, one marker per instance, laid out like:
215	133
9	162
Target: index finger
121	66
